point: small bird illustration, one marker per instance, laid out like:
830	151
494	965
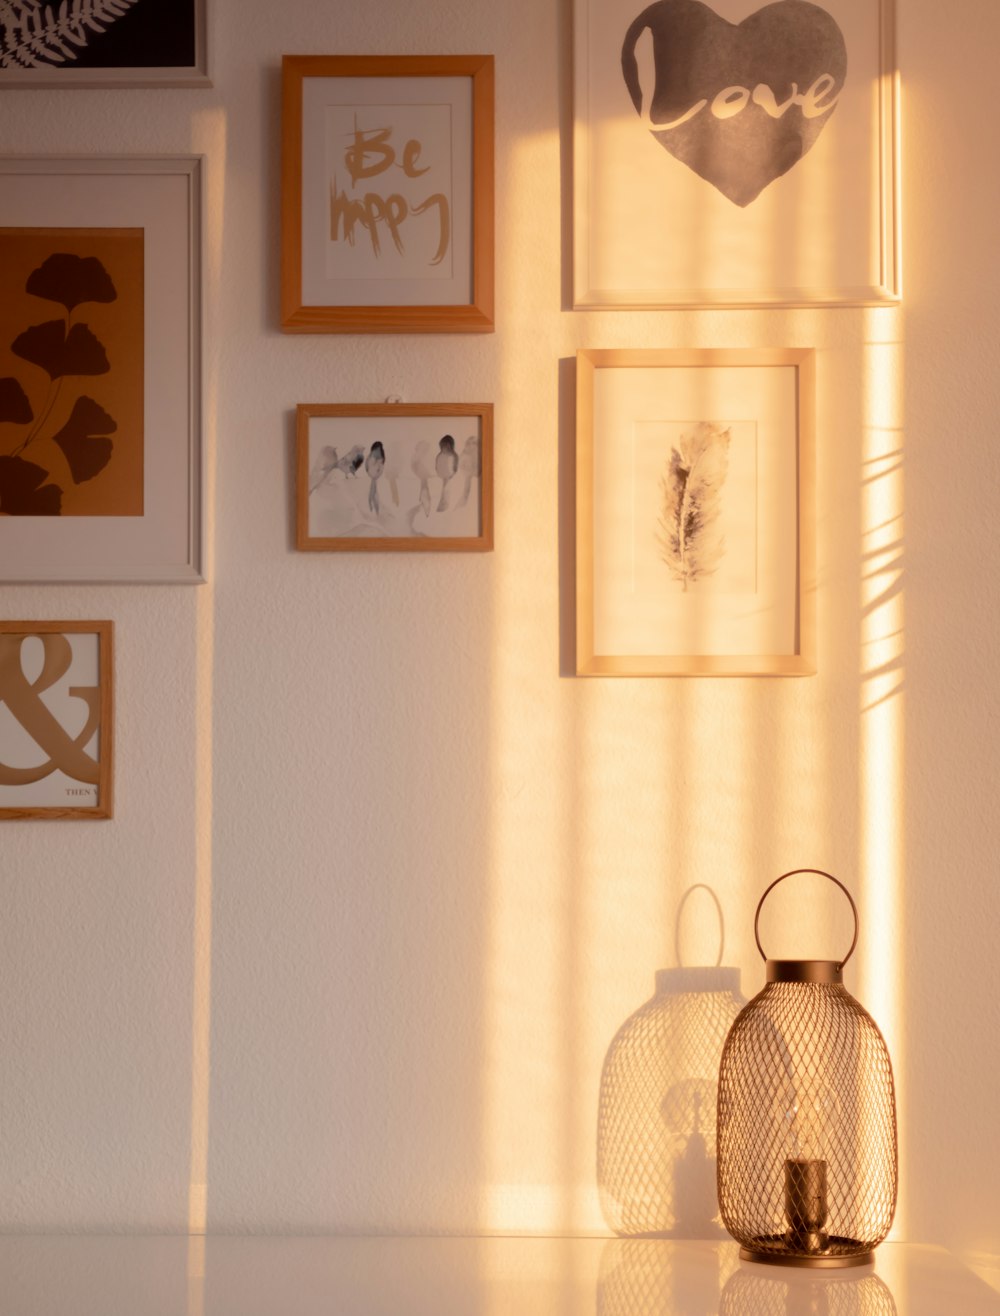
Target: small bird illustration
354	460
470	466
374	466
446	464
325	462
423	470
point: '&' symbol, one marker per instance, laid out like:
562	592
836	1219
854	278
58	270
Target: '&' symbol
23	698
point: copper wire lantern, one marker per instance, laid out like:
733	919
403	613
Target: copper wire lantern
806	1131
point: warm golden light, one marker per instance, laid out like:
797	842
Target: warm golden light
882	711
209	137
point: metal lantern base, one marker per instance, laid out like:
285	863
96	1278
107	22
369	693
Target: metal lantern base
830	1261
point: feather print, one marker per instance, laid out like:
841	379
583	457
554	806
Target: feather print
691	541
37	34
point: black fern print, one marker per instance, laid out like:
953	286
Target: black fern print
61	349
39	35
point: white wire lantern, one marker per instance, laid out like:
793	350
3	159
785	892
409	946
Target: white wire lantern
807	1168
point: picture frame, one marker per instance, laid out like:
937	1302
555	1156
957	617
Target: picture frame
56	719
387	194
100	403
695	491
394	477
104	43
694	189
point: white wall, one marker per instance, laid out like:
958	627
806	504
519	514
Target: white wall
414	873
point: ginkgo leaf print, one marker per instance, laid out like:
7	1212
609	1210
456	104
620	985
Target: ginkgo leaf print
23	491
71	387
38	34
14	404
82	439
71	280
60	353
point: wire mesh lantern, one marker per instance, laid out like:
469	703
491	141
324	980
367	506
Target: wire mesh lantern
806	1117
656	1169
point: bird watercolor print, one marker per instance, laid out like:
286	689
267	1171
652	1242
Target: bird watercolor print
396	477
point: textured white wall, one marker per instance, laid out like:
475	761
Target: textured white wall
413	872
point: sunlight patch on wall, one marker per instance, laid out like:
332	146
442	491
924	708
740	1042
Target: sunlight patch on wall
882	730
208	137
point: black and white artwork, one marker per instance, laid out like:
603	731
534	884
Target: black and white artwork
738	103
101	42
735	153
393	477
695	494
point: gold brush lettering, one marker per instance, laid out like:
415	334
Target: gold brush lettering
23	699
370	154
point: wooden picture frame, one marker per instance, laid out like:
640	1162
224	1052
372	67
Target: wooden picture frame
56	719
101	455
387	194
105	43
394	477
729	155
695	538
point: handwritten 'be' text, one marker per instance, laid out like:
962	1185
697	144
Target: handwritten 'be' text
368	156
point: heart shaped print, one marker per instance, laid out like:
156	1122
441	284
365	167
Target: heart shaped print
739	103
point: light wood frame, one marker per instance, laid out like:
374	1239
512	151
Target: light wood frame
307	412
710	233
797	658
473	316
104	631
67	74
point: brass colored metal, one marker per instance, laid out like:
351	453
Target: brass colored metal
793	873
806	1132
804	971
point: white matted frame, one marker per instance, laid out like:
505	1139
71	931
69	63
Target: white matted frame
694	513
104	43
411	477
735	154
56	719
387	194
162	197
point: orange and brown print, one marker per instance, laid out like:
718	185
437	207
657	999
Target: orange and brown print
71	372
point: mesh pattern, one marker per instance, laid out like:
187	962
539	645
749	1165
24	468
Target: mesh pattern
651	1277
656	1153
806	1083
819	1296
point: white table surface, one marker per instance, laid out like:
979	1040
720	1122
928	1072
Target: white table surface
253	1276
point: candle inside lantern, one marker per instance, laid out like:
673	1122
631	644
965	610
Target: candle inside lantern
805	1205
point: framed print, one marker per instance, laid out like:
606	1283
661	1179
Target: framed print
400	477
100	375
387	194
56	697
735	153
694	513
103	43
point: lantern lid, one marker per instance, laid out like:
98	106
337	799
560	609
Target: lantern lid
814	971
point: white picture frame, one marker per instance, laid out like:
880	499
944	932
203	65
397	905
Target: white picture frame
691	189
104	43
161	196
732	592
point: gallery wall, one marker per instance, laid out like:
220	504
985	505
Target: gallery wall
384	877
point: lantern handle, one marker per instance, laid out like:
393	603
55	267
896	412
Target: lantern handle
820	873
699	886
